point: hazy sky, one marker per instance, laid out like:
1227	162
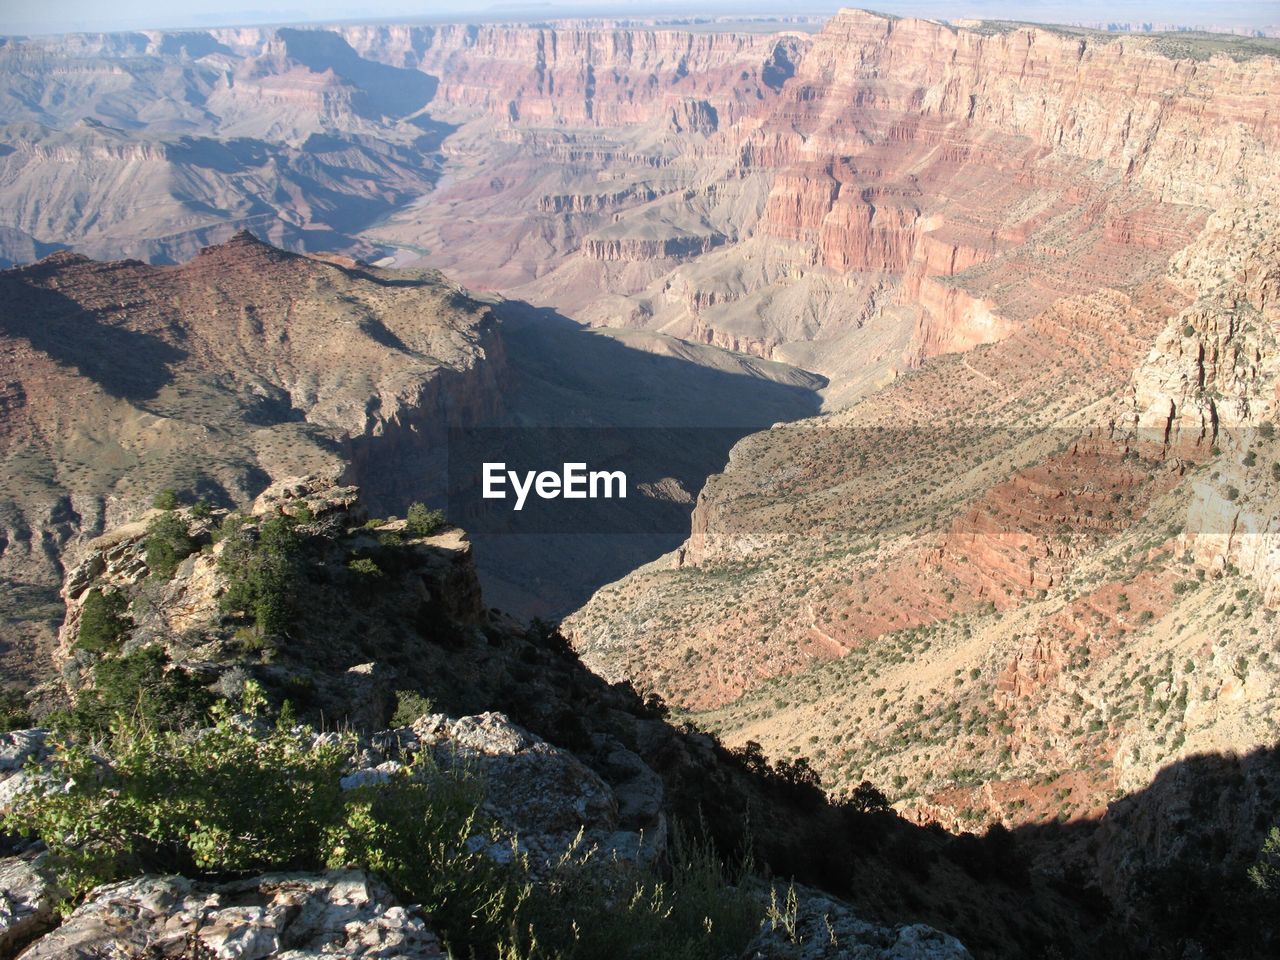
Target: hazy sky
55	16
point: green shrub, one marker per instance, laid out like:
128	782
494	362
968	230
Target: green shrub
410	705
591	908
168	544
139	687
13	711
422	522
102	621
166	499
221	802
241	798
364	567
261	573
418	831
868	798
227	800
1265	874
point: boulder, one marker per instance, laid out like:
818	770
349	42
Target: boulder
544	794
26	903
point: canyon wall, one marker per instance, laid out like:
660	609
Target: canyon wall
1036	569
974	176
992	173
593	76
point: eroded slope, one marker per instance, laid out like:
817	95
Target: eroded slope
244	364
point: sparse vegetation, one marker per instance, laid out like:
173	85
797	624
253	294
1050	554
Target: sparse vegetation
1265	873
410	705
228	800
365	567
140	687
14	714
422	522
166	499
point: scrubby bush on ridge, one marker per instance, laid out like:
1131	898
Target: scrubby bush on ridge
245	796
102	621
169	542
261	571
140	686
422	522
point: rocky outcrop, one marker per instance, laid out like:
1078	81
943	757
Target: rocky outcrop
542	795
217	377
26	903
1212	373
594	202
436	577
633	249
292	916
18	749
691	116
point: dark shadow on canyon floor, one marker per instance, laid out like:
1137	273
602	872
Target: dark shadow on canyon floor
676	419
574	393
1168	865
1162	875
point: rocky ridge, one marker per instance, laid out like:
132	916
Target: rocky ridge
123	379
602	795
293	916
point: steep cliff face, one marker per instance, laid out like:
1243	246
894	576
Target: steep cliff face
957	161
601	76
216	376
1212	371
1113	100
1210	388
974	176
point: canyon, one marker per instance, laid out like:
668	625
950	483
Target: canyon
951	349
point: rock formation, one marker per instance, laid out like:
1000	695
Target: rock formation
121	380
284	915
